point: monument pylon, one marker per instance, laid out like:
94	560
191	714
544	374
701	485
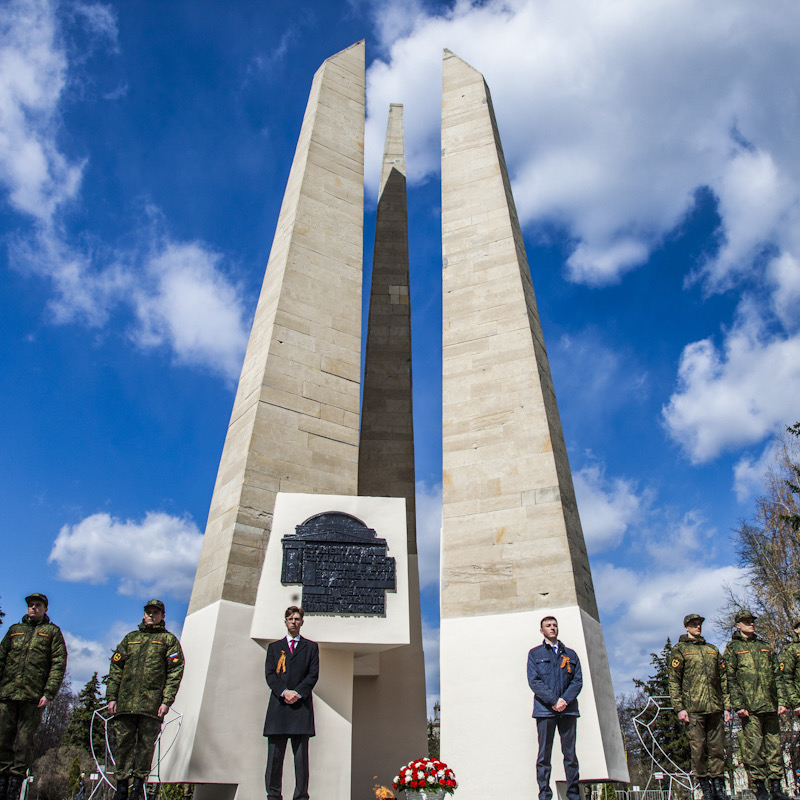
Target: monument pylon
389	688
512	545
294	428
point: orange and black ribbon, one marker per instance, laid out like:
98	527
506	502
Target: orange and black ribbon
281	663
565	663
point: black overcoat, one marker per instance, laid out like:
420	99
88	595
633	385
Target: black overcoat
298	671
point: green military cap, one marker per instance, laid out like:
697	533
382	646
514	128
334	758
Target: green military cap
37	596
743	614
155	604
689	617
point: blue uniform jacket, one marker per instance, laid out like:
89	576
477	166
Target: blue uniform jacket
551	676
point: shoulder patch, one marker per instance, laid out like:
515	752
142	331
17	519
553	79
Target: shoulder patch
117	657
782	666
676	662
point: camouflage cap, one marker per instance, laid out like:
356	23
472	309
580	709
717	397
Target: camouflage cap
743	614
689	617
37	596
155	604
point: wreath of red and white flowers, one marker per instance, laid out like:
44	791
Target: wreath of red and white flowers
425	775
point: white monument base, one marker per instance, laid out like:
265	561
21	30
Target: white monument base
224	694
486	724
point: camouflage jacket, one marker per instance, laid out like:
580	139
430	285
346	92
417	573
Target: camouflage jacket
33	660
697	679
146	671
754	678
790	668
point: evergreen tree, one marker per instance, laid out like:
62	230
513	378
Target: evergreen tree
668	731
175	791
433	740
89	701
74	776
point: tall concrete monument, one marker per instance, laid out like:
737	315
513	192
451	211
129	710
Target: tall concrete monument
293	447
391	685
512	544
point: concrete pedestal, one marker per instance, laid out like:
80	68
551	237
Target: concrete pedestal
224	645
489	655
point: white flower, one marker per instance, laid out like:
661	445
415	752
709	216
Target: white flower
431	779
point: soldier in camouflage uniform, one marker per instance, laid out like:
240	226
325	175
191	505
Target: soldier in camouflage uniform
790	667
146	671
33	660
698	688
756	688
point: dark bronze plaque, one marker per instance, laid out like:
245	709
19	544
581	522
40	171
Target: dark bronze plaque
341	563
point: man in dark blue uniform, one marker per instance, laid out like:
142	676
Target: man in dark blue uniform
554	675
292	669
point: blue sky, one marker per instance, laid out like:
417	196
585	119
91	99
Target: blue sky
144	148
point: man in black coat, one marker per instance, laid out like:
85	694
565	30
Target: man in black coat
554	675
292	669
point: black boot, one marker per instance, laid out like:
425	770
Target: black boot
719	788
14	787
775	790
3	786
137	790
761	791
122	790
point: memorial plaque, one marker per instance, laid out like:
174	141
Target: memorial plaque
341	563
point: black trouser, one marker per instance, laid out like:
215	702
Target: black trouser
567	728
274	774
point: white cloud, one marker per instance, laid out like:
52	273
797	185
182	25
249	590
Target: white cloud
737	394
607	507
429	533
640	609
100	19
157	556
749	475
430	645
612	116
85	657
180	294
189	305
33	72
783	273
687	536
